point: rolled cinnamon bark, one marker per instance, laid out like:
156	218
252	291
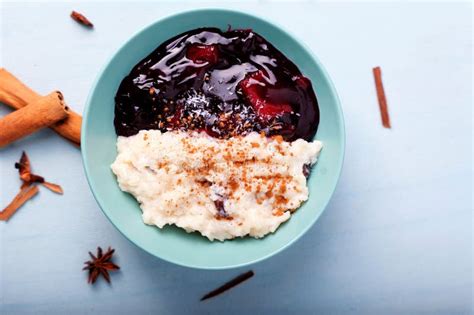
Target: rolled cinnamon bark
17	95
43	112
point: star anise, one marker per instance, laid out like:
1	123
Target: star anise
100	265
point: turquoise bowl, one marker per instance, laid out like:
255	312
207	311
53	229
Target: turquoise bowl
171	243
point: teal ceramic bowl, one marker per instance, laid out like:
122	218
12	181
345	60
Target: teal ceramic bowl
171	243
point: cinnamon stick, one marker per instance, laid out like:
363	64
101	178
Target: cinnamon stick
381	97
43	112
17	95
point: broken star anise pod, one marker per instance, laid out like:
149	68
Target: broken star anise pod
100	265
28	188
24	168
28	178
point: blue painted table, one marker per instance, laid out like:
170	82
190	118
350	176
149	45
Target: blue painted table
397	235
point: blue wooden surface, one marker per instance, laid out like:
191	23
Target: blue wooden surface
397	236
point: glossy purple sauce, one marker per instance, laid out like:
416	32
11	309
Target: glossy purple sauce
225	83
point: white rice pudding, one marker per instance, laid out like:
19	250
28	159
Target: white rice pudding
220	188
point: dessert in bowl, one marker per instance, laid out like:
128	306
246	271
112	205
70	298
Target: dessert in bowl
216	131
212	130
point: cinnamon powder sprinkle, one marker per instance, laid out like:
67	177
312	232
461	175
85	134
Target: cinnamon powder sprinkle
381	97
265	187
278	138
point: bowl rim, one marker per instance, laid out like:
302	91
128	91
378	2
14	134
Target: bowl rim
214	10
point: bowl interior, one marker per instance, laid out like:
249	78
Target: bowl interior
172	244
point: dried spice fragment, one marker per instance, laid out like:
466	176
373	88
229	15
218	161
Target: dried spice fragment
381	97
100	265
81	19
24	168
53	187
27	189
25	194
229	285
